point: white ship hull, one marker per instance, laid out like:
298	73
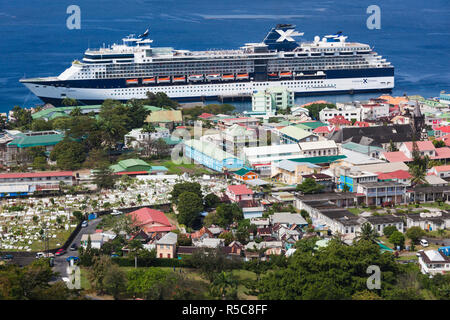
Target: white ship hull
50	93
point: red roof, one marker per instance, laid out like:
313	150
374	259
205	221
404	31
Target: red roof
35	174
421	145
339	120
399	174
396	156
442	153
445	129
446	139
361	124
325	129
151	220
240	189
442	168
205	115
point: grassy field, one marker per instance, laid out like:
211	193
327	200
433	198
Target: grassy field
57	242
194	274
190	168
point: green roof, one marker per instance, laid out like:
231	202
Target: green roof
56	112
295	132
359	147
310	125
131	165
23	140
322	159
430	133
52	113
242	172
171	141
153	108
209	149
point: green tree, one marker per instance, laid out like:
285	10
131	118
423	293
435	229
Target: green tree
115	281
228	213
104	178
389	230
99	268
367	233
224	286
333	272
22	118
179	188
309	186
227	236
68	155
184	240
210	262
96	158
161	100
438	143
392	147
69	102
417	174
315	108
415	233
41	125
211	200
398	239
189	206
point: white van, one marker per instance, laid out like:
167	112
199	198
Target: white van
424	243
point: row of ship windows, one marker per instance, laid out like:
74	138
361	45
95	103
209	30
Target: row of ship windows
205	89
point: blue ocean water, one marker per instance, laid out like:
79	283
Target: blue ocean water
34	39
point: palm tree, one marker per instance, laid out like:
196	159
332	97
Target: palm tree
367	233
417	175
222	282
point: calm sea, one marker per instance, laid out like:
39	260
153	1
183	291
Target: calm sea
34	39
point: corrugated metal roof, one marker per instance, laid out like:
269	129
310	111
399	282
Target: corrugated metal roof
209	149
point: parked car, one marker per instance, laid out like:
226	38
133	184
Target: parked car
424	243
44	255
8	257
84	224
60	252
73	247
116	212
75	259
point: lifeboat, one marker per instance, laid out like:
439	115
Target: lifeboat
285	74
214	76
148	80
228	77
242	76
163	79
273	75
132	81
179	79
195	77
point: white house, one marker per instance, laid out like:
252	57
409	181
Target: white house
136	136
319	148
97	240
440	171
348	111
373	111
433	262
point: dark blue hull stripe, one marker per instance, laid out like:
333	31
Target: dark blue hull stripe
57	102
121	83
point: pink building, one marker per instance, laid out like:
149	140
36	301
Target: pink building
239	192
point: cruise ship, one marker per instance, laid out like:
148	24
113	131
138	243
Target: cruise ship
327	65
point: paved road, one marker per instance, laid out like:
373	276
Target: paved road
60	262
439	242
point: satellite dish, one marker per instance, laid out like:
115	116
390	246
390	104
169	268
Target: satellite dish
316	39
